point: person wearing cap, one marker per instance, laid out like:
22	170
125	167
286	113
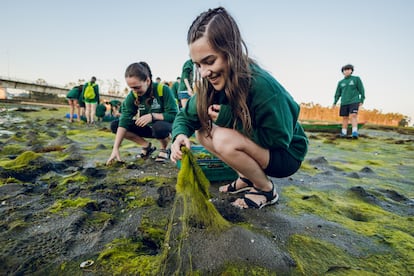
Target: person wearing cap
351	91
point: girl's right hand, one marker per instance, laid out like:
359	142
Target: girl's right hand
115	155
176	153
213	111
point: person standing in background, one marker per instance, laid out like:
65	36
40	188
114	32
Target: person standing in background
73	100
185	90
90	95
175	87
351	91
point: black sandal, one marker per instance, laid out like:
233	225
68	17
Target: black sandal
146	151
163	158
270	196
231	188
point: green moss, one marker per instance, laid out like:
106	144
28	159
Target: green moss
11	149
124	257
99	217
17	225
9	180
245	269
135	199
21	161
315	257
357	215
77	178
79	202
153	231
306	167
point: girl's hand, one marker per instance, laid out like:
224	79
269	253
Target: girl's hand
115	155
176	153
143	120
213	111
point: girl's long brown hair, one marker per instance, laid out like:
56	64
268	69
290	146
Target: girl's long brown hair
224	36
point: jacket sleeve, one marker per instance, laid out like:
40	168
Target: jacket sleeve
186	122
361	90
129	110
337	93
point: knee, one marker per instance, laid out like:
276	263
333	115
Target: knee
224	144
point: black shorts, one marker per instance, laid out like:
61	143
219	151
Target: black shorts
347	109
281	164
158	130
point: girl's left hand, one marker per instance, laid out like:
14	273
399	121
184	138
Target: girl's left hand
213	111
143	120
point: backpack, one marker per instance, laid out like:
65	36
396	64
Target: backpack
89	92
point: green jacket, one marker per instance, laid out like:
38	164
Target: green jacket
100	110
164	104
274	116
350	90
187	73
73	93
175	89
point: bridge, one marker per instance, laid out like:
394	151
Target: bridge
40	91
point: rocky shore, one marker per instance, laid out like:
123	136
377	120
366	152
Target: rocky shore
349	210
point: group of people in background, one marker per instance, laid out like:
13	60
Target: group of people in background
237	110
85	99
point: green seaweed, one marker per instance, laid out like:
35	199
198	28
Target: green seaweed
135	199
12	149
63	204
23	160
9	180
124	257
193	187
363	218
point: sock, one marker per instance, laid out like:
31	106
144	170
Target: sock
354	129
344	131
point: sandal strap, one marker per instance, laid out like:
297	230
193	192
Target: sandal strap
148	150
270	196
232	186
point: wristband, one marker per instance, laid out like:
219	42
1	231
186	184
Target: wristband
152	117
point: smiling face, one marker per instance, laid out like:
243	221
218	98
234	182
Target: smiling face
211	64
139	86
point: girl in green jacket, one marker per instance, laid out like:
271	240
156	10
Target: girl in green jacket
147	112
240	113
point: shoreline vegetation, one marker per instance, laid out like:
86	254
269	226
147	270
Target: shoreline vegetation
349	210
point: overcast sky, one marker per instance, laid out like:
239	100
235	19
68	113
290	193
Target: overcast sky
302	43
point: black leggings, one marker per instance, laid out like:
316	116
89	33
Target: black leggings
158	130
281	164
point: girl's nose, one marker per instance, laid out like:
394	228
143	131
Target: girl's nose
204	72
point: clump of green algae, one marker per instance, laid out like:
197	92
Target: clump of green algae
193	187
